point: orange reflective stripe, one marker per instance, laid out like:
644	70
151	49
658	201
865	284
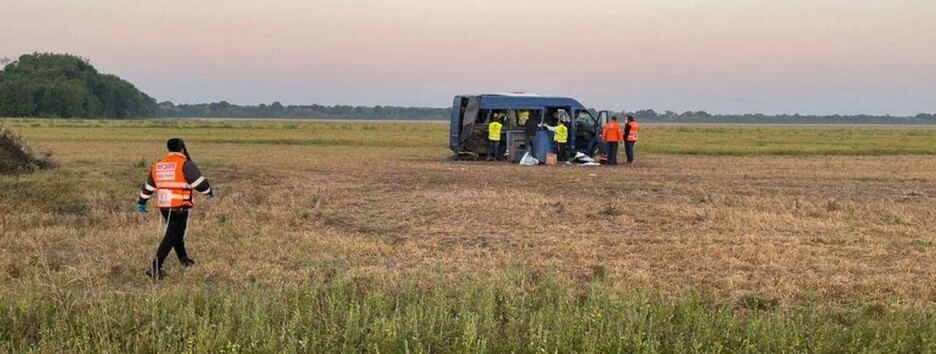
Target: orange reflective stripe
173	185
176	191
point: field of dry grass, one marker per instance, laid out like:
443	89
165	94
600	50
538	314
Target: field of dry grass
376	205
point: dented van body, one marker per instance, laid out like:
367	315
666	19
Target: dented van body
526	115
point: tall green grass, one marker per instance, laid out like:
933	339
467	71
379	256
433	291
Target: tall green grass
353	315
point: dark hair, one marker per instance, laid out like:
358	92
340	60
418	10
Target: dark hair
630	116
614	118
175	145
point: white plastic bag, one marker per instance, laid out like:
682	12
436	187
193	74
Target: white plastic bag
528	160
582	158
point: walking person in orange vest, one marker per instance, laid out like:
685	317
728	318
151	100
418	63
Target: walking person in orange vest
173	180
631	128
612	135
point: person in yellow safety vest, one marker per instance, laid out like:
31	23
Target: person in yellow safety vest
560	138
494	137
631	128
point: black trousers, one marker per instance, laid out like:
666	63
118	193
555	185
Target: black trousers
629	150
612	153
174	239
561	151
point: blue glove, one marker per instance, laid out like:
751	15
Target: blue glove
141	208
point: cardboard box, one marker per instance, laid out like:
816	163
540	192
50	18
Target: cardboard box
551	159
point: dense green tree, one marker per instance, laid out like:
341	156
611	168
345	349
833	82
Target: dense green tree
62	85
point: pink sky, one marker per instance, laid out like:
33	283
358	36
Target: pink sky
727	56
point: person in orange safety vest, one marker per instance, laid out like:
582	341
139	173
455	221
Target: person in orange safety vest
612	136
631	128
173	180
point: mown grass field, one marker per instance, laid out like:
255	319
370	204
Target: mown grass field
360	237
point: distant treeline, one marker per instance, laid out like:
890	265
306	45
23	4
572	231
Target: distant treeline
277	110
67	86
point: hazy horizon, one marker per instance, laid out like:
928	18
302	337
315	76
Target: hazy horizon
725	56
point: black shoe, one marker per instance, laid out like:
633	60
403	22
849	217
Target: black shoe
158	275
187	262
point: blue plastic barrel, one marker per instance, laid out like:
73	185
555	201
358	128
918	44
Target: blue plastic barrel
543	144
